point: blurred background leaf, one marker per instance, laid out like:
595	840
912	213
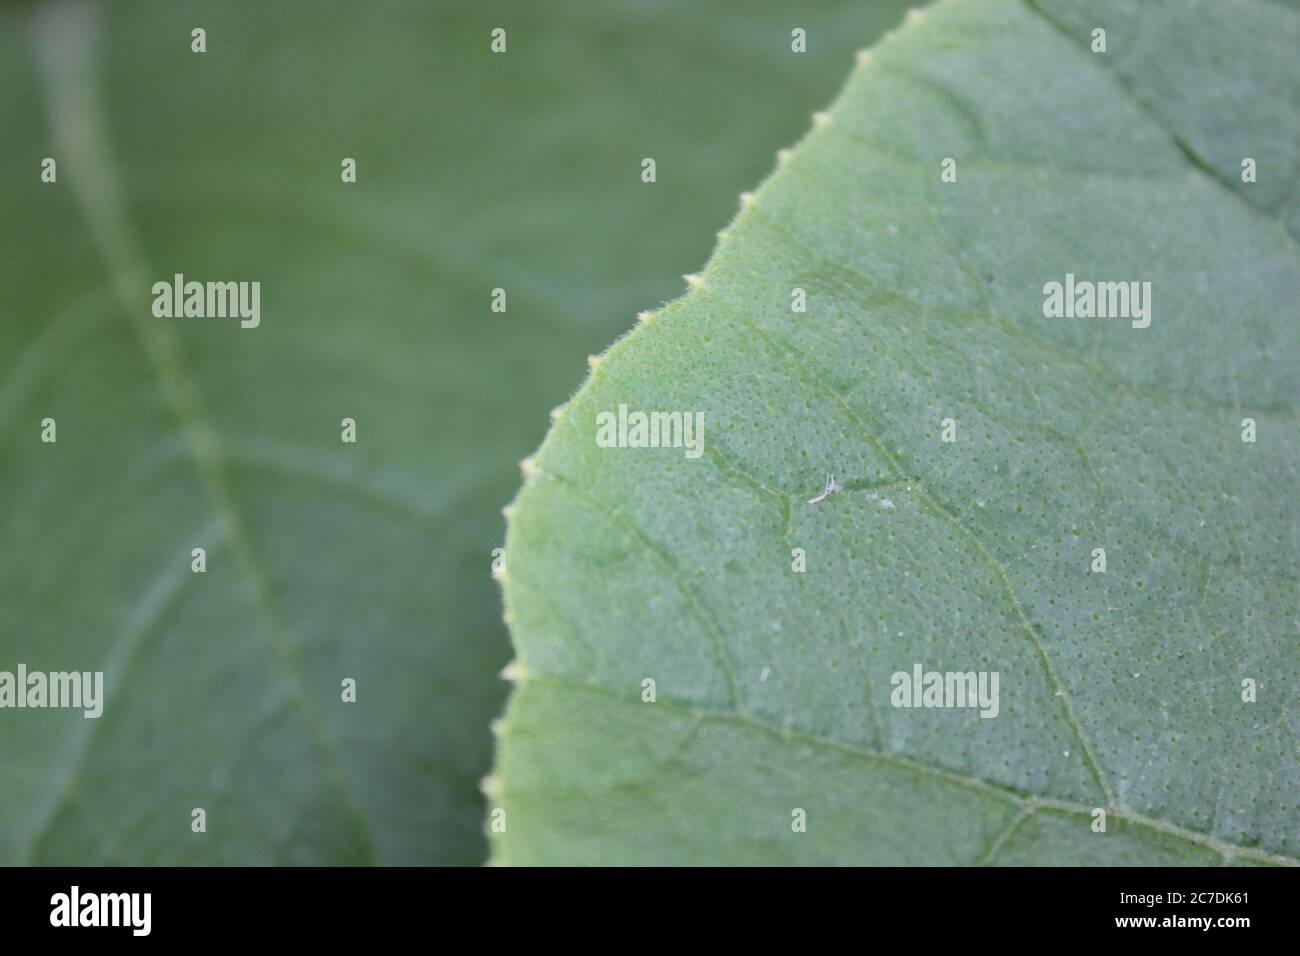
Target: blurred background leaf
325	560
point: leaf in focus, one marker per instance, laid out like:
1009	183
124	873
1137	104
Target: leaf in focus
1121	690
324	560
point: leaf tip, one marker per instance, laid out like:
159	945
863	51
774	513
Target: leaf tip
593	361
746	200
556	412
821	119
528	465
491	784
782	157
694	280
863	55
644	316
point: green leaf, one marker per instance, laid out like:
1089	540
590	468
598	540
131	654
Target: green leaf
1120	691
324	560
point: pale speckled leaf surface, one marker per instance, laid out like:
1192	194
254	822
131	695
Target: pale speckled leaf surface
1118	690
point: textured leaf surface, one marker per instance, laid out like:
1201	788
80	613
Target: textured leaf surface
325	560
1119	690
